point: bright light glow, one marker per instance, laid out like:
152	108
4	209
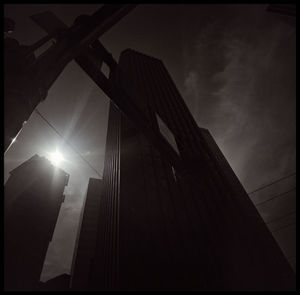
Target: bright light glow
56	158
14	139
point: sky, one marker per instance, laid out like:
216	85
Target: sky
235	66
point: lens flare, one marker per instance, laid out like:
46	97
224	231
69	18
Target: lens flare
56	158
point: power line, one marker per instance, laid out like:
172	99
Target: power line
283	227
277	196
72	147
267	185
291	213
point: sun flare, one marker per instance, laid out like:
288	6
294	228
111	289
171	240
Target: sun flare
56	158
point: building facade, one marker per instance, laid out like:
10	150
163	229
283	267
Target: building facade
59	283
162	227
84	253
33	195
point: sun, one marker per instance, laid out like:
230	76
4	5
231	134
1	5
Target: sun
56	158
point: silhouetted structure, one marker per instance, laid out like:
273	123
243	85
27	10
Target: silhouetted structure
162	229
59	283
17	105
32	197
86	242
27	79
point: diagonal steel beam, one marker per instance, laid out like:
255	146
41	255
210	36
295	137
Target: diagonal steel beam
25	89
90	60
75	39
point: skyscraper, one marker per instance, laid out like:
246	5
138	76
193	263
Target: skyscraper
166	228
59	283
82	271
32	197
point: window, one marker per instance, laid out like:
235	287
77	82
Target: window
167	133
174	173
105	70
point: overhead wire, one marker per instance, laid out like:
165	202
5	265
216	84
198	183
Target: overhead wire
275	197
79	154
69	144
283	227
271	183
281	217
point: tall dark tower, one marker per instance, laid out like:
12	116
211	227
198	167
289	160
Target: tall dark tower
32	197
161	228
17	105
82	271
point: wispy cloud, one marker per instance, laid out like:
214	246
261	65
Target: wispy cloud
238	85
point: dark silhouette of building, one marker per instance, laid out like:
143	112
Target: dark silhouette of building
164	229
32	197
85	248
59	283
18	105
28	79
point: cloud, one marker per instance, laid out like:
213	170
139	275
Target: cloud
245	94
239	85
203	61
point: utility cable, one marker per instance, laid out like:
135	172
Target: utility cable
70	145
276	219
283	227
277	196
267	185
